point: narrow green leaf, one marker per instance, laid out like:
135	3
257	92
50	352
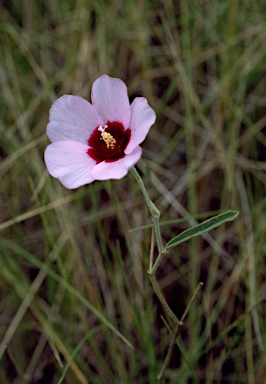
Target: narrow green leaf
202	228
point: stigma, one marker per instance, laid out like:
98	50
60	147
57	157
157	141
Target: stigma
109	140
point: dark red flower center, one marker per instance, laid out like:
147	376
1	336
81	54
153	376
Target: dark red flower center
109	142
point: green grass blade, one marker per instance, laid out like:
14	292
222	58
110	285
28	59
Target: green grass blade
202	228
88	335
42	266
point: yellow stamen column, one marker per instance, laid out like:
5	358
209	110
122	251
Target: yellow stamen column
107	137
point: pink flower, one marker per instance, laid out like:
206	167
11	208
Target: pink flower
98	140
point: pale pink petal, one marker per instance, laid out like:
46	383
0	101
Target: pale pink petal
142	118
109	97
117	169
69	162
72	118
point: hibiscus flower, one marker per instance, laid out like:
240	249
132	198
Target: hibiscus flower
98	140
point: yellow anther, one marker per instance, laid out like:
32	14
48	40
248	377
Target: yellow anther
107	137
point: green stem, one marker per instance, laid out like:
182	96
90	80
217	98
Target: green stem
158	261
176	333
155	213
161	298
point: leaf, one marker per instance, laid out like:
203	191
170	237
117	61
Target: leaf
202	228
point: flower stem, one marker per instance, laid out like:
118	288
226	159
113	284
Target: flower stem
176	333
153	267
155	213
161	250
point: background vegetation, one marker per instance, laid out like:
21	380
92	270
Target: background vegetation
72	271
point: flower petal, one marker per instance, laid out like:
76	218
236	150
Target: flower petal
72	118
142	118
118	169
109	97
69	162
